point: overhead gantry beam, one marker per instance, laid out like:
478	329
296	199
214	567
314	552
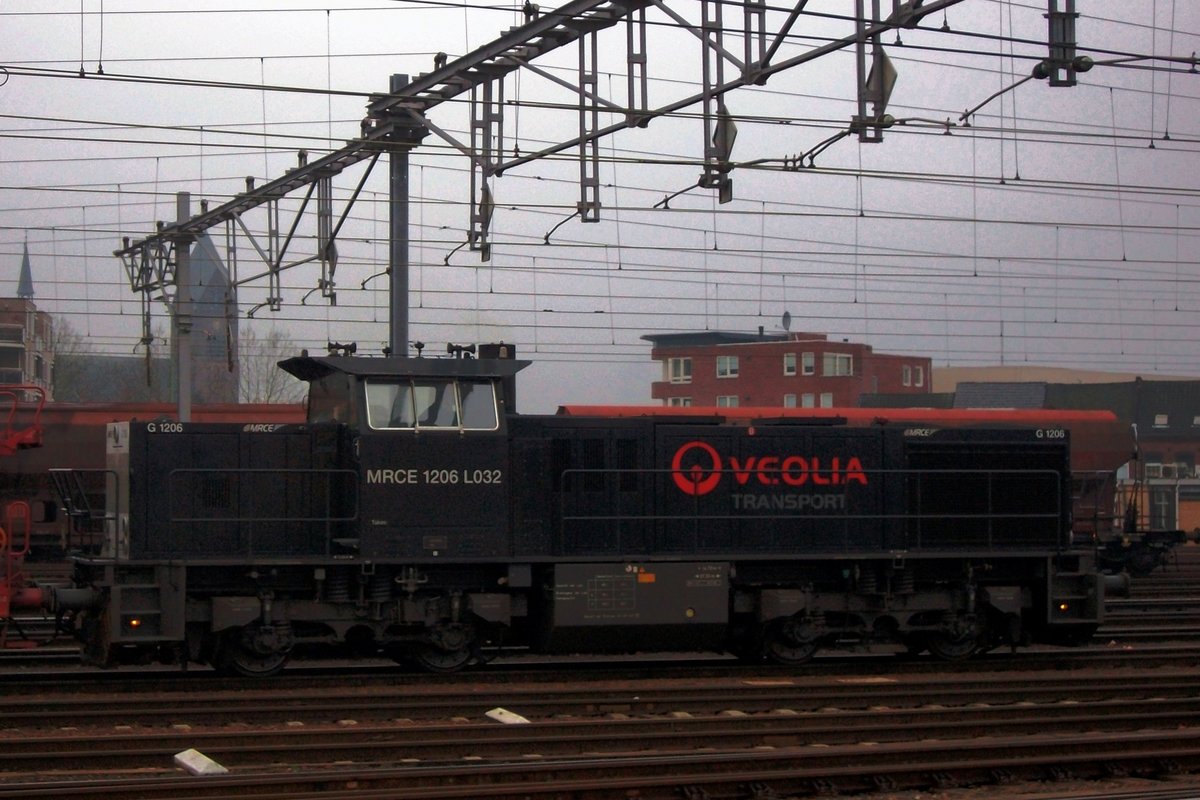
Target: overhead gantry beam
396	122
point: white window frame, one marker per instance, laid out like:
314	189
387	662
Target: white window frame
808	400
905	375
826	399
727	366
837	365
789	401
789	363
918	376
679	402
808	363
727	401
679	369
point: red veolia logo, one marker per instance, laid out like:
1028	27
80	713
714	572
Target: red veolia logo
697	469
698	479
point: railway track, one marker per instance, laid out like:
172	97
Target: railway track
1124	712
385	700
747	739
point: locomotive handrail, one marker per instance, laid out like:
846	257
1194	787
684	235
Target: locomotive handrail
72	497
176	479
352	474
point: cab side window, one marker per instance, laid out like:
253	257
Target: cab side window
478	404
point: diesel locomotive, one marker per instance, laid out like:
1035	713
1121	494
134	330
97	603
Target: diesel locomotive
413	515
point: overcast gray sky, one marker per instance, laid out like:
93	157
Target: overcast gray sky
1047	232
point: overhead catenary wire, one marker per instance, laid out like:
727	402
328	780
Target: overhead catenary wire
727	216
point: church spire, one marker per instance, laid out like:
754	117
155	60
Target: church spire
25	282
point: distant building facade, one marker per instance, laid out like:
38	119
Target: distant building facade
789	370
26	344
214	336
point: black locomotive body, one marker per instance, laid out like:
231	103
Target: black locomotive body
413	516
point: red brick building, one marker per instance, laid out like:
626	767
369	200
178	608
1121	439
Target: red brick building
803	370
26	344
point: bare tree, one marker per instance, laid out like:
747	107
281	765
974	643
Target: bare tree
82	375
65	344
261	380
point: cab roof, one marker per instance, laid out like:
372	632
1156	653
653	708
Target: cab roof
311	368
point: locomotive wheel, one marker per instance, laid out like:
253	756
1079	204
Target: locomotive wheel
449	648
434	659
782	645
236	656
951	648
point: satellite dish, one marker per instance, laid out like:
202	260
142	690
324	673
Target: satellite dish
786	322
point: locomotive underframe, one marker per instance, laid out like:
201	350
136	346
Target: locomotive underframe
250	618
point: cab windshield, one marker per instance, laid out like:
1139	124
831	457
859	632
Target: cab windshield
431	403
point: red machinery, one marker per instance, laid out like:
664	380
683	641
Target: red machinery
22	430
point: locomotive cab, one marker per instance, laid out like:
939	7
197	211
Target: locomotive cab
430	448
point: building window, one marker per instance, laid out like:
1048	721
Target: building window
826	399
727	366
679	402
808	400
918	376
789	363
1162	508
679	370
1161	420
727	400
789	401
808	363
906	375
837	364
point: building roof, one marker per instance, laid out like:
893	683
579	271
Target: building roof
1162	409
945	379
1118	396
706	338
25	282
210	279
1000	395
940	400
